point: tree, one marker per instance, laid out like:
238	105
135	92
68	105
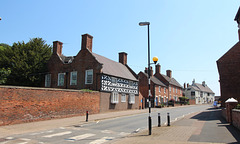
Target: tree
4	73
27	62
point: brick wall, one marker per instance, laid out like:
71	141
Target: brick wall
224	113
236	118
21	104
192	101
228	68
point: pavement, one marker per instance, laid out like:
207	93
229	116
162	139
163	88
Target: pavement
197	128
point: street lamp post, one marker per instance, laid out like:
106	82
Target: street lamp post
155	59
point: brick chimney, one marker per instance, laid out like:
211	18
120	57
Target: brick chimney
158	68
151	71
87	42
57	47
184	85
169	73
123	58
146	70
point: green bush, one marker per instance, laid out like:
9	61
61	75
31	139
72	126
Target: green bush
86	90
238	106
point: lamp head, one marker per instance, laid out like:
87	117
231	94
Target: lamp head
144	23
155	59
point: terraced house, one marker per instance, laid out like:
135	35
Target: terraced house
174	88
159	91
116	81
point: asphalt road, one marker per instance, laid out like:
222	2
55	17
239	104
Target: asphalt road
102	131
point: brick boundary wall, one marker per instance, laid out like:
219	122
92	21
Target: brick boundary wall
24	104
236	118
224	113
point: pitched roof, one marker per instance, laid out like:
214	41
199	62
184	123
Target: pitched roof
66	59
172	81
203	88
155	80
235	50
113	68
237	15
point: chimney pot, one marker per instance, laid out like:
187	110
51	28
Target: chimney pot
123	58
184	85
146	70
151	71
87	42
158	69
57	47
169	73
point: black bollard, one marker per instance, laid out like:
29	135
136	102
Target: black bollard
86	116
150	125
159	120
168	119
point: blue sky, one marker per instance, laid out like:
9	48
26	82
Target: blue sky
187	36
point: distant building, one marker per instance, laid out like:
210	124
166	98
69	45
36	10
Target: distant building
229	70
174	89
87	70
159	91
201	93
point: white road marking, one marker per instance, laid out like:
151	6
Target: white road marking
80	137
58	134
41	132
106	131
9	138
102	140
123	134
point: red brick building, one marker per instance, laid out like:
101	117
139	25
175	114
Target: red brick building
174	89
88	70
229	70
159	90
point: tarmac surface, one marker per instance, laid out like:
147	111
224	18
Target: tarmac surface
197	128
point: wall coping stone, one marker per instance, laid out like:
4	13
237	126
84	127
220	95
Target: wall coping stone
236	110
46	89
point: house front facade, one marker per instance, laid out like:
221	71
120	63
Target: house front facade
174	89
159	90
201	93
115	80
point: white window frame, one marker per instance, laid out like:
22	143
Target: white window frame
73	81
61	79
176	90
159	88
131	99
164	90
87	76
123	97
114	80
169	88
48	80
114	97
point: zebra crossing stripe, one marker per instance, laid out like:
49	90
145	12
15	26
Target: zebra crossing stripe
80	137
102	140
58	134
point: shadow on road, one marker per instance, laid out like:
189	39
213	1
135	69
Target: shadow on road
213	114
